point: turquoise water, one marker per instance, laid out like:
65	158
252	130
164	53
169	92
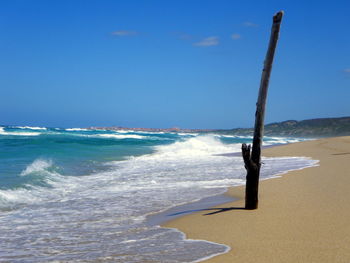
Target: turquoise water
84	195
74	152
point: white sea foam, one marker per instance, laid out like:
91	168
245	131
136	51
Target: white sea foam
147	132
225	136
76	129
10	198
281	140
37	166
30	127
30	195
193	162
197	146
187	134
111	136
244	136
124	131
34	194
120	136
3	132
67	215
267	140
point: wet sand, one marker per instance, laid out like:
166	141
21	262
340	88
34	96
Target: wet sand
303	216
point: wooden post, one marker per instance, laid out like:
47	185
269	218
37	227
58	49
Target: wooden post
252	159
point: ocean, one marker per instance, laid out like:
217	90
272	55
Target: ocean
79	195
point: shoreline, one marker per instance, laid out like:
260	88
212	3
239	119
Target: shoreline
206	203
162	217
280	203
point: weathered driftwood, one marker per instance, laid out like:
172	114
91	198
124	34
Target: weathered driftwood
252	158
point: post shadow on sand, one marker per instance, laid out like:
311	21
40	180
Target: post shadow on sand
215	210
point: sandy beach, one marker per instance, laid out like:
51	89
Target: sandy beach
303	216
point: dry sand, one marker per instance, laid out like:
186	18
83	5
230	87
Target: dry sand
303	216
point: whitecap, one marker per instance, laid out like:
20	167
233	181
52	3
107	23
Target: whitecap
197	146
30	127
225	136
187	134
116	201
281	140
76	129
123	131
37	166
120	136
3	132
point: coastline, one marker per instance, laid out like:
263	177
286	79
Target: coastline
202	204
302	217
160	218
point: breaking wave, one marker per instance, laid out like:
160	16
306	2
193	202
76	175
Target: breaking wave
120	136
56	208
39	165
3	132
29	128
76	129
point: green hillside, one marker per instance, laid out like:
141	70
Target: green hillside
324	127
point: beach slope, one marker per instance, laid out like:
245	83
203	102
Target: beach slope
303	216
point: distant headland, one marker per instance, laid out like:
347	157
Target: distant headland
321	127
174	129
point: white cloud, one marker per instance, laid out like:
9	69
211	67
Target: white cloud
235	36
207	42
250	24
123	33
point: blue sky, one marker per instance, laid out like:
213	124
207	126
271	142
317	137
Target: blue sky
184	63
